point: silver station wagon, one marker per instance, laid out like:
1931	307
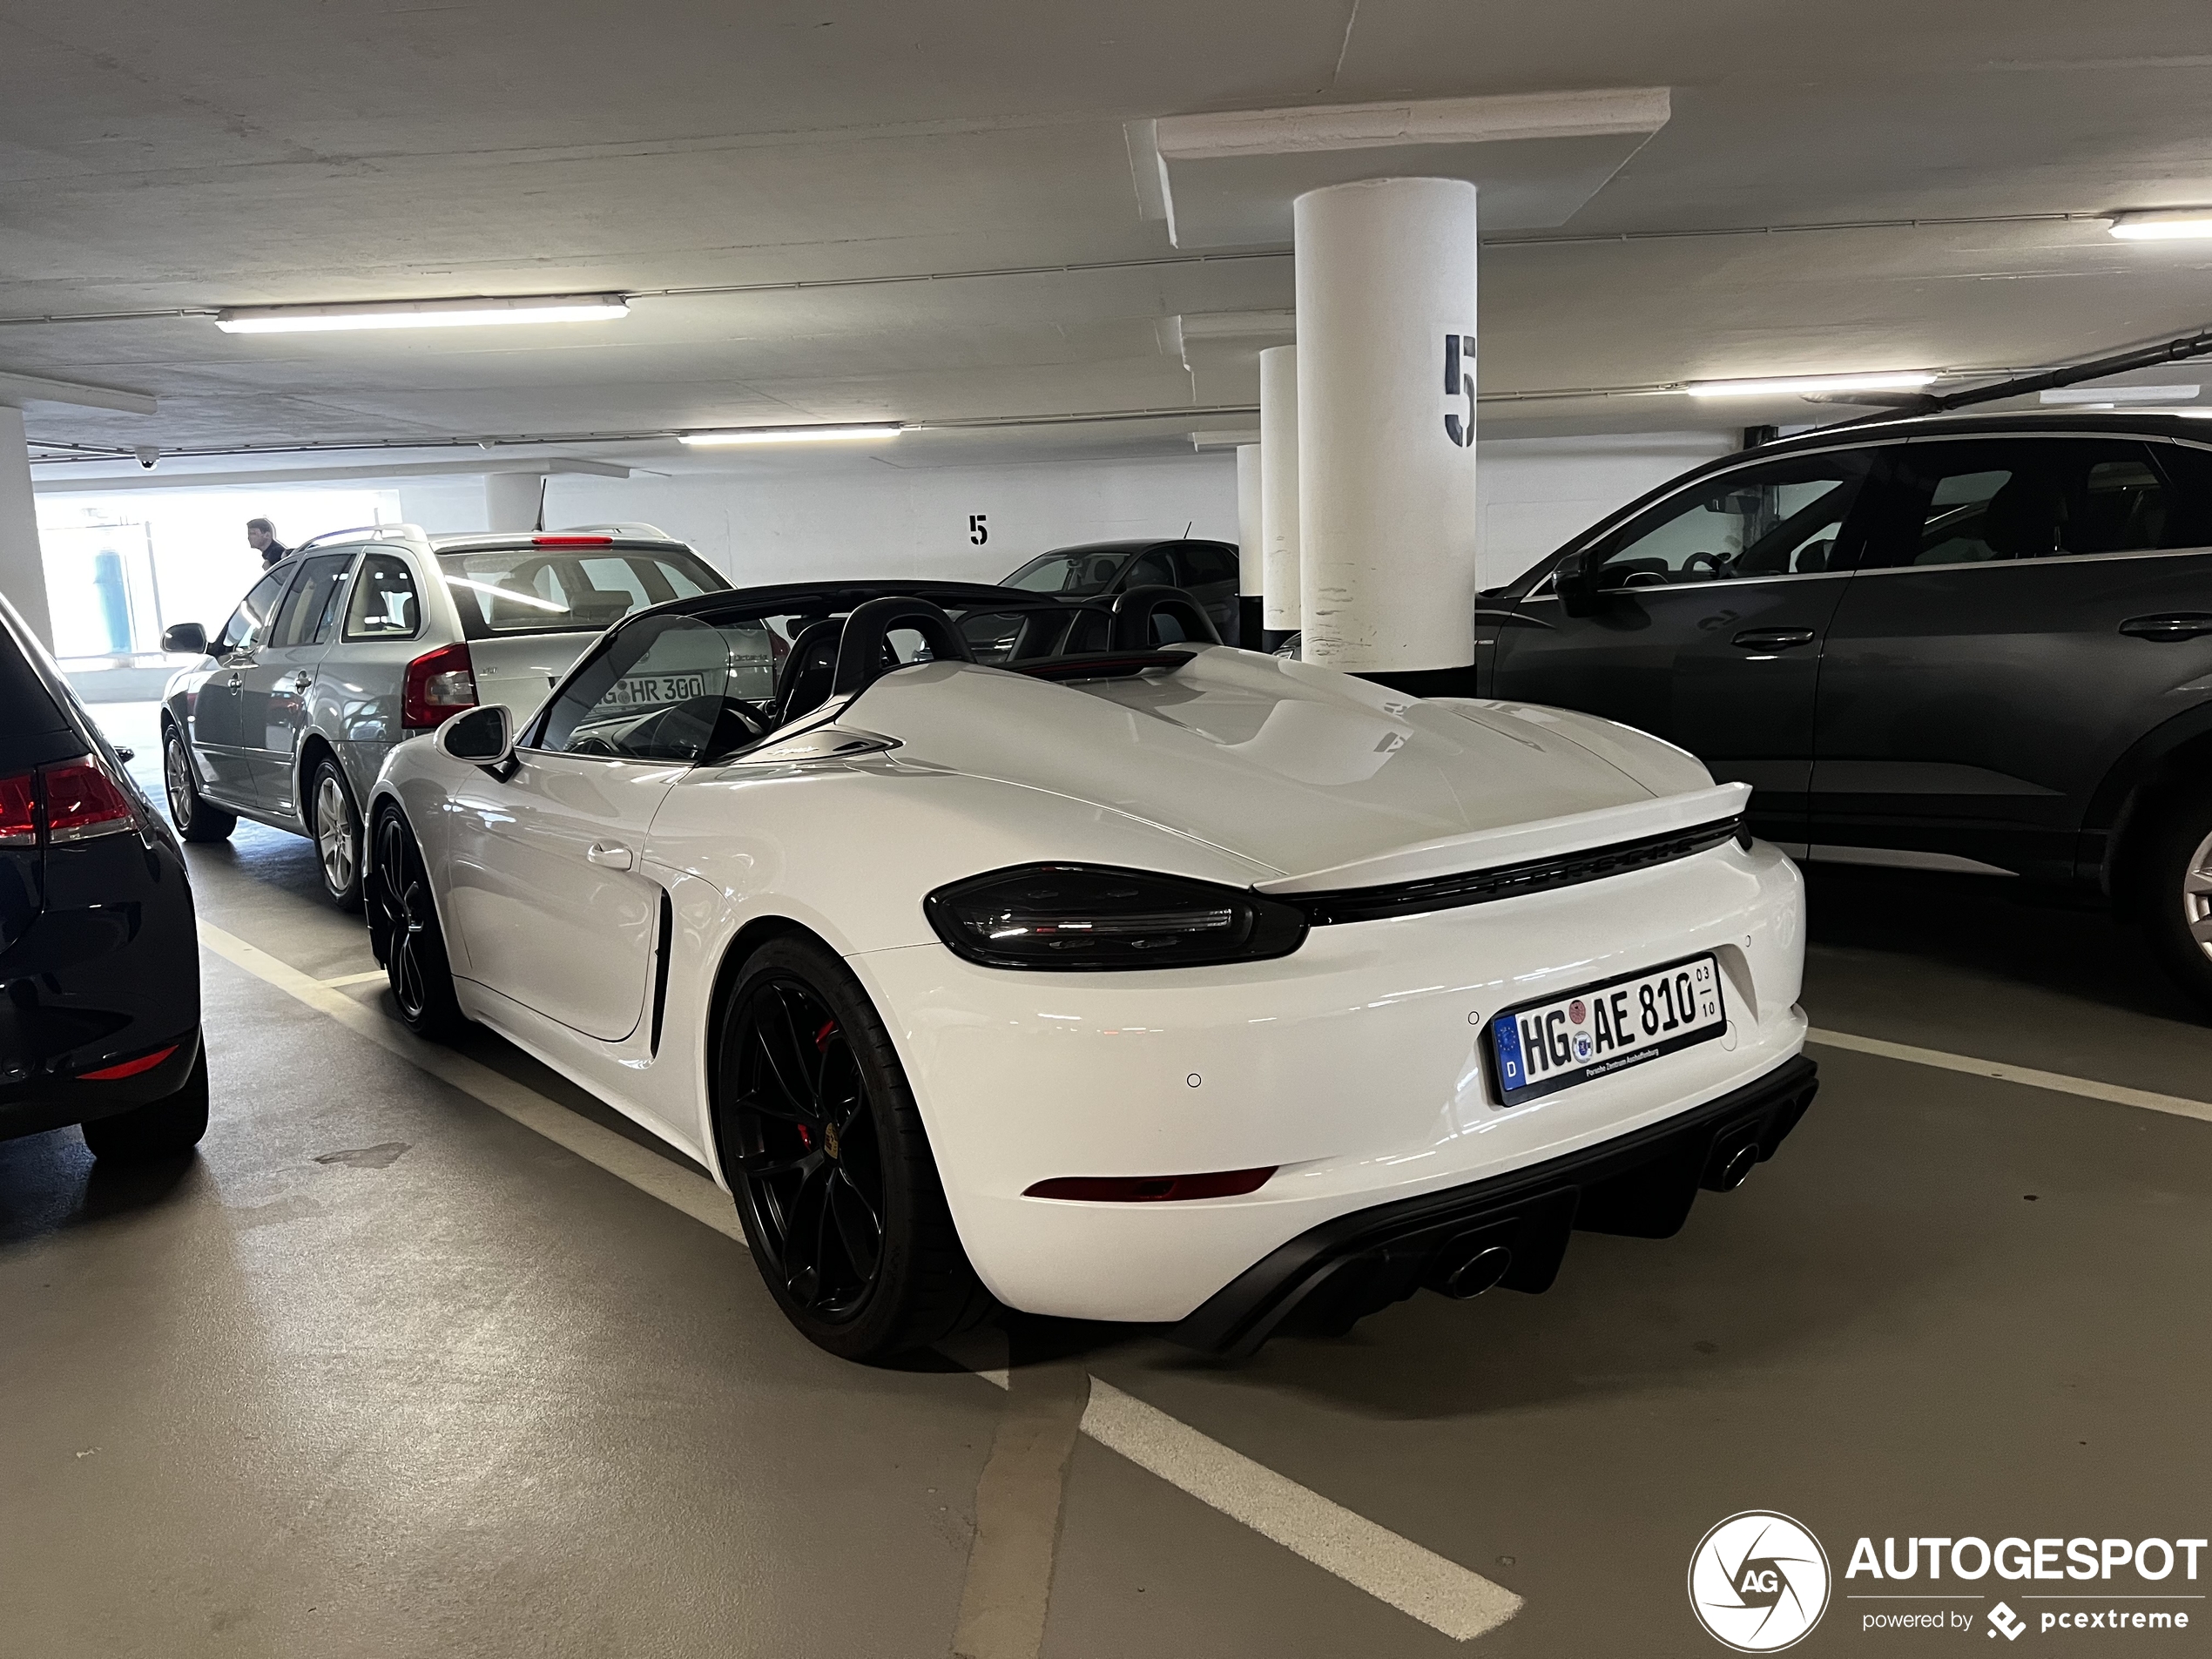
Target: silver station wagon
361	639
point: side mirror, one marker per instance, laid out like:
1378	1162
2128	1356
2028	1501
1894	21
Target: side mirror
481	737
186	637
1575	582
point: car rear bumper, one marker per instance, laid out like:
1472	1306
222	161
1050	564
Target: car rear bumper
1353	1067
43	1103
1642	1184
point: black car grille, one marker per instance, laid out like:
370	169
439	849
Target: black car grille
1511	881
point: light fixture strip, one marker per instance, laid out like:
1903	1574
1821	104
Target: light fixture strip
422	314
734	437
1799	385
2163	224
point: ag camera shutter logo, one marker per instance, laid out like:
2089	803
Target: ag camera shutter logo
1758	1581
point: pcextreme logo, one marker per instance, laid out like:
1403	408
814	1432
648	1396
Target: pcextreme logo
1758	1581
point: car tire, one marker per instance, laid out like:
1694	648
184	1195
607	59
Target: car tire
336	827
404	932
196	821
161	1129
823	1147
2168	887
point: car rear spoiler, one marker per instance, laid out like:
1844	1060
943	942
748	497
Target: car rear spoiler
1518	843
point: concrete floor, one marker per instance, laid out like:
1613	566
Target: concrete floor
384	1373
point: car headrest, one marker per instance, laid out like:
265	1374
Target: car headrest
809	668
2025	519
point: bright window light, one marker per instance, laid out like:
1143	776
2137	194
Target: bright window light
497	591
421	314
736	435
1799	385
2111	396
2166	225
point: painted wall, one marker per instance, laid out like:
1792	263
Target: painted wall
851	518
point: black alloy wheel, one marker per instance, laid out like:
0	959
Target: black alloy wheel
825	1150
806	1146
195	818
403	930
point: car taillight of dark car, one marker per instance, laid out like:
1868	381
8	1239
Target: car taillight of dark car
70	800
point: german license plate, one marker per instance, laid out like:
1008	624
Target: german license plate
1541	1047
650	691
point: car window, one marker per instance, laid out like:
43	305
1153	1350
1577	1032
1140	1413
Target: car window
1202	563
655	692
542	591
248	627
1078	571
313	598
1782	518
1151	570
385	604
1990	500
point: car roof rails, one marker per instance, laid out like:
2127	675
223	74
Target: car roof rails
410	534
1900	404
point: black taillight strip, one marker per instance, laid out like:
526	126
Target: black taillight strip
1510	881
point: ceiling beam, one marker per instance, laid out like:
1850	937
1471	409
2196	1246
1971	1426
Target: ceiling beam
19	389
75	485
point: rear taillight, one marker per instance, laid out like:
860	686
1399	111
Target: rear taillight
129	1068
74	800
83	801
19	809
440	684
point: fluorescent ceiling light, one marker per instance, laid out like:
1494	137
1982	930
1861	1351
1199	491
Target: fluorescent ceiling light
2166	225
736	435
421	314
1799	386
2109	395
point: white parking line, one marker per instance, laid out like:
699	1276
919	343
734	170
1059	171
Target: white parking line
2058	1082
344	980
1417	1582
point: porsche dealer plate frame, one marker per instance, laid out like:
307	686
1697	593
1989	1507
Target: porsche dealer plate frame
1579	1036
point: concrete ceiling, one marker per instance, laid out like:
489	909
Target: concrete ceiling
156	158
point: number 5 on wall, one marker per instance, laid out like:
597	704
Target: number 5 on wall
978	532
1458	381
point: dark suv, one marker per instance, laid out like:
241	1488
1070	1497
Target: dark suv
1967	642
1206	571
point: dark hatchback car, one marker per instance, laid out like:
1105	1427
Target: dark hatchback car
1206	571
1966	643
99	962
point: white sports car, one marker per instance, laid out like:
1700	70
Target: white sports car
988	947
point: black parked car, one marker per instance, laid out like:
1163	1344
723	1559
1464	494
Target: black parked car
1206	571
99	963
1970	643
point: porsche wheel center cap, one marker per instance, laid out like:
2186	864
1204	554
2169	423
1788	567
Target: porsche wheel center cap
829	1140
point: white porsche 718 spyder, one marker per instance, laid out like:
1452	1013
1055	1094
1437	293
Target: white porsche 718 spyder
987	947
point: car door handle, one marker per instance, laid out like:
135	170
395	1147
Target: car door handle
234	681
301	684
1772	638
2173	626
608	856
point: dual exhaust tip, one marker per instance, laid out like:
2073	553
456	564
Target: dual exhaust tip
1465	1269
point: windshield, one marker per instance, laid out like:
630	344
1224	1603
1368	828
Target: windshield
548	590
1078	572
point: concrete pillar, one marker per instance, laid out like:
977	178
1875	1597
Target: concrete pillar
23	567
1250	564
1385	275
1279	488
511	500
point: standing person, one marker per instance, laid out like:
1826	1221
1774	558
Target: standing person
260	536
